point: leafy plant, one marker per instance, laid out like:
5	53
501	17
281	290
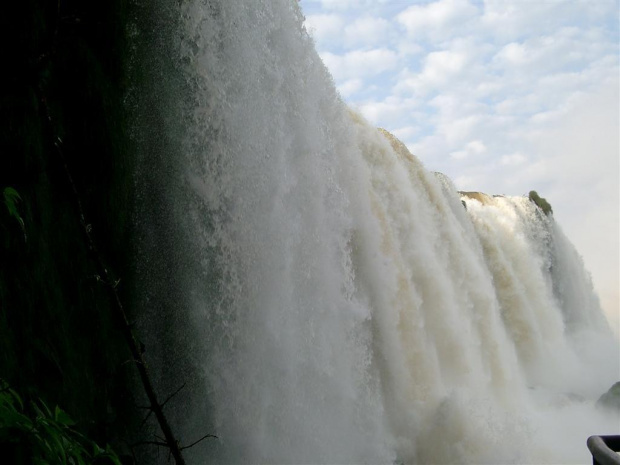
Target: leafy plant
47	435
11	198
540	202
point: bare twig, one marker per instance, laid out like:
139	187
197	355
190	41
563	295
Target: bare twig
148	415
172	395
149	443
201	439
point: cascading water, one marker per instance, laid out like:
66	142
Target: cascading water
327	299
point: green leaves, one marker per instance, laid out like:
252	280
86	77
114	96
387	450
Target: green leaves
47	434
11	198
540	202
11	406
61	417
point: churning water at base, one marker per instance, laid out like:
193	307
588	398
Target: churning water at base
329	299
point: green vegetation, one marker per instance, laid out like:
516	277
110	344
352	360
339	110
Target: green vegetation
541	203
11	198
44	436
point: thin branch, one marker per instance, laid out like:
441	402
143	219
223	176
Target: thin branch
130	361
148	415
149	443
172	395
201	439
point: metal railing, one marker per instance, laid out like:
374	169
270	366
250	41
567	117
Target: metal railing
604	450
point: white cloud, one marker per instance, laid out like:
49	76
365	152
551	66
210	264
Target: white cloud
438	20
441	65
339	4
519	105
513	54
476	147
439	68
452	105
513	159
472	148
545	116
367	31
460	130
466	183
350	87
560	51
324	28
360	63
409	48
343	5
388	112
406	132
508	21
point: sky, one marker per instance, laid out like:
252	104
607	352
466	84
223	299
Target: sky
503	96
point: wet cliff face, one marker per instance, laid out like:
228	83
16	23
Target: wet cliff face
58	337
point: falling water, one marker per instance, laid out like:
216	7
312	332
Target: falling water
327	298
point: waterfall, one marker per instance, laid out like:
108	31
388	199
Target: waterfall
324	296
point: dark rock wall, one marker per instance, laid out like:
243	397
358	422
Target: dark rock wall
59	339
